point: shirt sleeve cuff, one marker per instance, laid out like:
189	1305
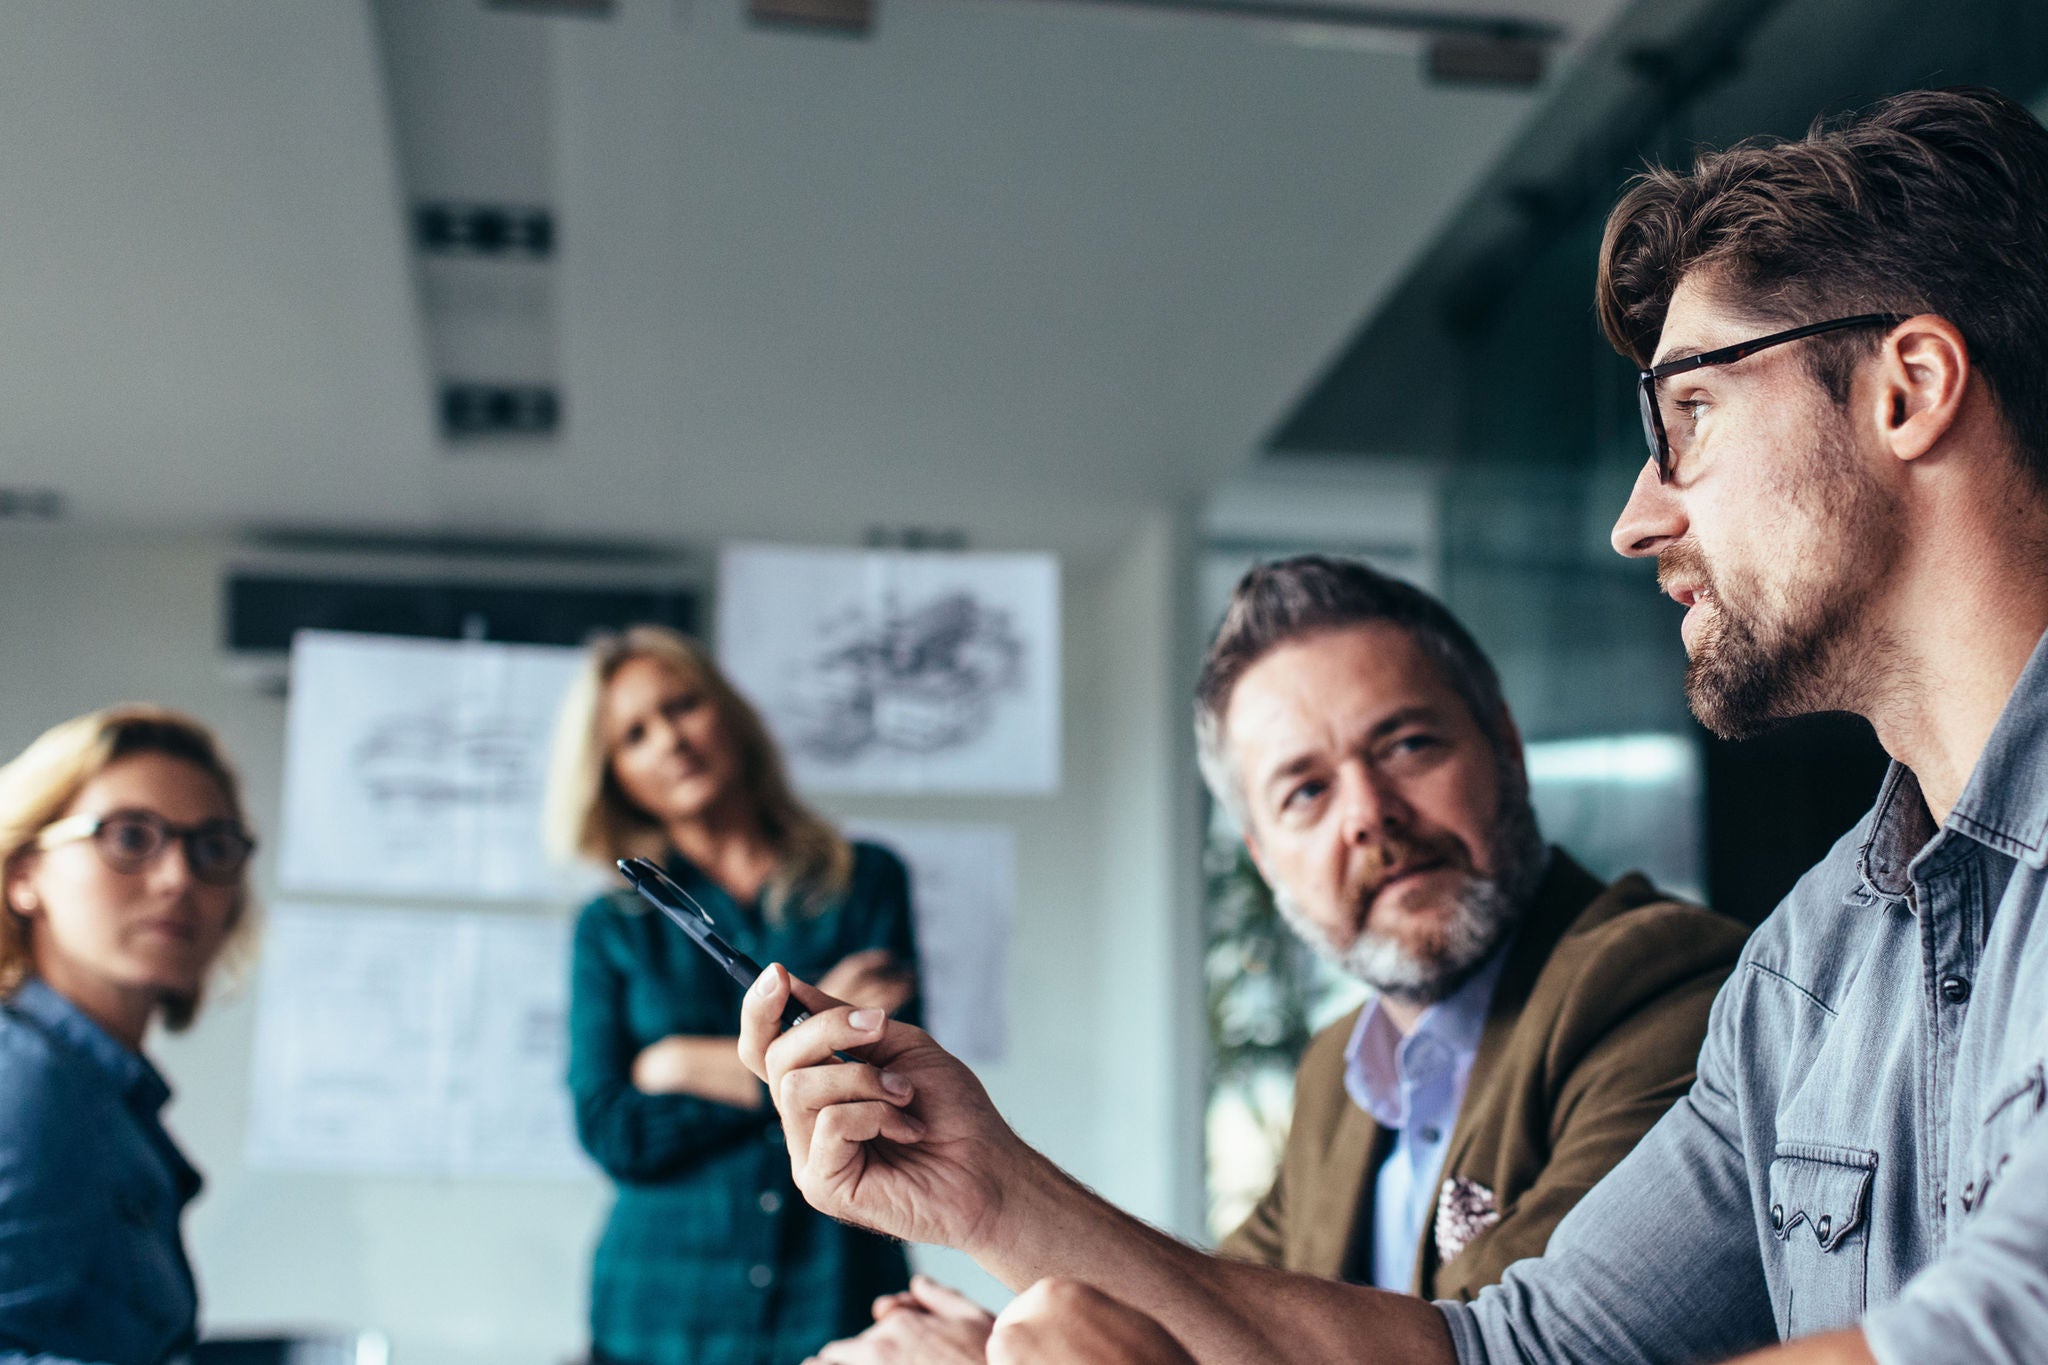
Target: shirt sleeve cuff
1465	1338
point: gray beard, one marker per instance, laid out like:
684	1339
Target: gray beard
1483	910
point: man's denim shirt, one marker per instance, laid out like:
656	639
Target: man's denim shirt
91	1189
1865	1140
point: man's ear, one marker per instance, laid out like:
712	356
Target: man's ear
1923	373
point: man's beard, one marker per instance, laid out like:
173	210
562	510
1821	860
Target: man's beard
1423	965
1752	667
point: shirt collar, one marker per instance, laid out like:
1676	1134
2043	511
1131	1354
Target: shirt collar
2004	805
1378	1059
1900	827
2005	802
130	1073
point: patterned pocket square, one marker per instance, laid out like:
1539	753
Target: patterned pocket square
1464	1209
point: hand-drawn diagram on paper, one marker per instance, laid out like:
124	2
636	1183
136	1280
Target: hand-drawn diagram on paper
963	893
899	671
417	767
417	1042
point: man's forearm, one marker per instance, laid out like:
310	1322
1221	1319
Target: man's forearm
1225	1312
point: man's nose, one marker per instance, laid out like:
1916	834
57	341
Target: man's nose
1650	520
1371	805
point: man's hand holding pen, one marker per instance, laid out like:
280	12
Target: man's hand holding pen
906	1142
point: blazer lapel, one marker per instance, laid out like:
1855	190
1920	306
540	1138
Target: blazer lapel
1565	891
1326	1234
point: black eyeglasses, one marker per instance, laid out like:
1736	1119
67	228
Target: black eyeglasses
130	840
1647	380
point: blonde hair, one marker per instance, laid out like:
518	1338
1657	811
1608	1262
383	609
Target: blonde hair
42	781
590	817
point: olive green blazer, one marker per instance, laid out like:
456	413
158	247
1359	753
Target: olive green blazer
1592	1034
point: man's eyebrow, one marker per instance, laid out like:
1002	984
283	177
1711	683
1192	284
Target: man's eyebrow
1294	766
1682	353
1420	713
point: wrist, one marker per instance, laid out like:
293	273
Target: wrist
662	1067
1034	1200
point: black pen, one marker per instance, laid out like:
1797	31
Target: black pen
660	891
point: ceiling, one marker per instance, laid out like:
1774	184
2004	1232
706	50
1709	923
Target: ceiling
1016	267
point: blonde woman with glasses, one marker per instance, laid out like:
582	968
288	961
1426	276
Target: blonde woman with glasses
709	1257
125	855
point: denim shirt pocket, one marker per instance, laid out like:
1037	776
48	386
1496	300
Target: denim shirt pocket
2010	1115
1820	1207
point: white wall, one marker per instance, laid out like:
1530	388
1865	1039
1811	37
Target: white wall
1105	1023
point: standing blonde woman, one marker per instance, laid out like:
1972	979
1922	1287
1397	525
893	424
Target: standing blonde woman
125	855
710	1257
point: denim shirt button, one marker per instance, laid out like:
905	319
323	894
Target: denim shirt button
1955	989
1826	1223
1777	1218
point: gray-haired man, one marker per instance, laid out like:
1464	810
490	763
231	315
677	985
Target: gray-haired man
1528	1024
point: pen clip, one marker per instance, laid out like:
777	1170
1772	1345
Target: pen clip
658	889
643	873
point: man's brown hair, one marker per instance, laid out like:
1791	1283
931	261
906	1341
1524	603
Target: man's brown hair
1283	601
1934	201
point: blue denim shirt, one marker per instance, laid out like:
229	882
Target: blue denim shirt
1865	1141
91	1190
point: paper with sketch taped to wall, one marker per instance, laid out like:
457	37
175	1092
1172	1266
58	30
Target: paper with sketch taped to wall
413	1042
417	767
899	671
963	891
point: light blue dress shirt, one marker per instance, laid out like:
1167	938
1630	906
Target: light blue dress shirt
1413	1087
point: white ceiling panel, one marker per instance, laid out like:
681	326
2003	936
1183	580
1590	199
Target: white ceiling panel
1007	266
204	286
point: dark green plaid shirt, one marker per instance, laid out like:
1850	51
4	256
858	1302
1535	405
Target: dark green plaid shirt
710	1256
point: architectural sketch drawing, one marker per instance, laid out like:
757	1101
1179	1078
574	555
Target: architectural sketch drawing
413	1042
417	767
920	679
963	894
899	671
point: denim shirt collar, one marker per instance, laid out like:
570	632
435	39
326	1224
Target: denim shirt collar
2005	802
1378	1060
2004	805
128	1073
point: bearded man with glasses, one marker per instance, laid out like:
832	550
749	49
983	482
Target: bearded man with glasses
1845	346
